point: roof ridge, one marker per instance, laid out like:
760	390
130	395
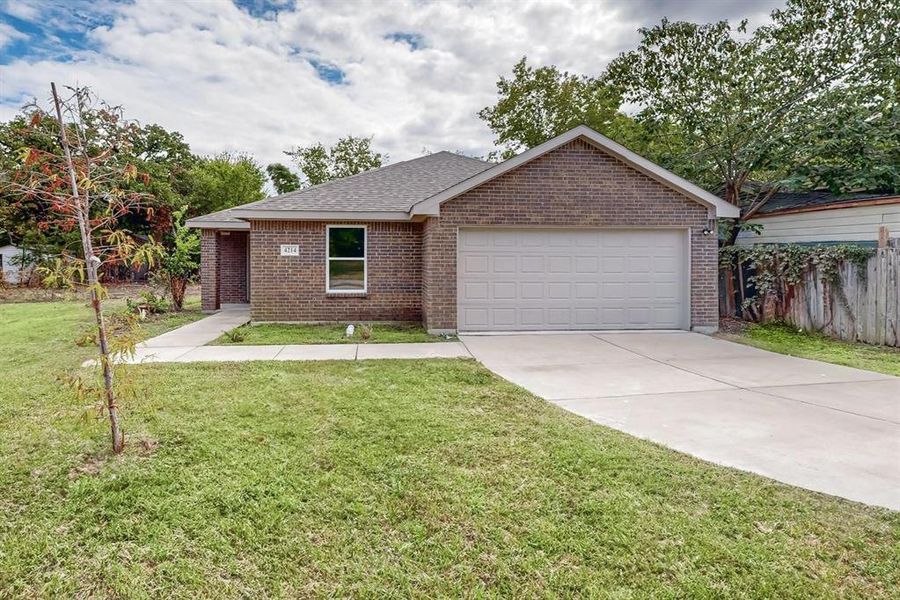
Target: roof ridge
319	186
392	187
460	155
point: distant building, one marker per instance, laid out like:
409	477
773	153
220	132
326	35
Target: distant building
11	264
820	217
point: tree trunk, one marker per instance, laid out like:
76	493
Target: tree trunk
732	195
730	309
177	287
82	211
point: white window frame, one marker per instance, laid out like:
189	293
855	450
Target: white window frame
364	258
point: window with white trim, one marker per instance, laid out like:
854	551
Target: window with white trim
346	268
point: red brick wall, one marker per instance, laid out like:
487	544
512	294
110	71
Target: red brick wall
233	267
223	268
293	288
209	269
575	185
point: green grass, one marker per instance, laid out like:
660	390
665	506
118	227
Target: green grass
387	478
279	334
157	324
779	337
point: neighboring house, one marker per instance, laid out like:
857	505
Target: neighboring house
578	233
821	217
11	264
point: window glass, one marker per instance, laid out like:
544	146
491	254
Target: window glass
346	242
346	259
347	274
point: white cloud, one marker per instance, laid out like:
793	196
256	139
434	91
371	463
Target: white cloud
8	34
231	81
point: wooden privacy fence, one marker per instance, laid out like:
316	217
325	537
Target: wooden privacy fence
865	307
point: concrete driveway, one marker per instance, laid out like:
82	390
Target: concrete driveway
819	426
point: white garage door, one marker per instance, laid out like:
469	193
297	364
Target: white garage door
556	279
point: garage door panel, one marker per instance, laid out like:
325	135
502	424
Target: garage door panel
587	264
559	316
531	317
504	317
475	263
532	290
586	317
559	264
560	290
587	290
504	290
475	290
504	264
532	264
536	279
504	239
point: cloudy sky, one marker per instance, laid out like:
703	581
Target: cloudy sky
261	76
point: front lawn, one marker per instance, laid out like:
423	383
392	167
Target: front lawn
785	339
282	334
383	478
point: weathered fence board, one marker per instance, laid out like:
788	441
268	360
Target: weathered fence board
868	310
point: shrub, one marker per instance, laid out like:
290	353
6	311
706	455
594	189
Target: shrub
147	303
236	336
179	264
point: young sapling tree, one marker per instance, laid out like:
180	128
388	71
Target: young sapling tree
81	177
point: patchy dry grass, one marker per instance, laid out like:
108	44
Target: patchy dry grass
10	294
383	478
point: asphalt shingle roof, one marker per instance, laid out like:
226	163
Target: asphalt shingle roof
790	200
395	187
222	216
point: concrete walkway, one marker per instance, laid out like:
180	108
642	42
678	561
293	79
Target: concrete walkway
187	344
816	425
201	332
187	354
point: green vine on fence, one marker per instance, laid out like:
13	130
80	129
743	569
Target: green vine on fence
779	268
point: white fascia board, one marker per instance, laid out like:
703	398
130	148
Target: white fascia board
320	215
716	206
229	225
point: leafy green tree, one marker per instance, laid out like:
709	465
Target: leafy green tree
283	178
743	100
162	157
181	260
853	144
23	215
536	104
349	156
222	181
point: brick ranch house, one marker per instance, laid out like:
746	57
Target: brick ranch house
578	233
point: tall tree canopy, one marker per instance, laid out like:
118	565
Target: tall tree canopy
222	181
536	104
349	156
751	105
808	100
163	157
283	179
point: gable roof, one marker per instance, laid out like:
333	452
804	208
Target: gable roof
417	187
389	191
716	205
786	202
223	219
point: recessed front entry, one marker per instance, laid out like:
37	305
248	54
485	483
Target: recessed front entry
572	279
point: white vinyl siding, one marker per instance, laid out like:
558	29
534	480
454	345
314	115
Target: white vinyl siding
857	224
12	272
572	279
